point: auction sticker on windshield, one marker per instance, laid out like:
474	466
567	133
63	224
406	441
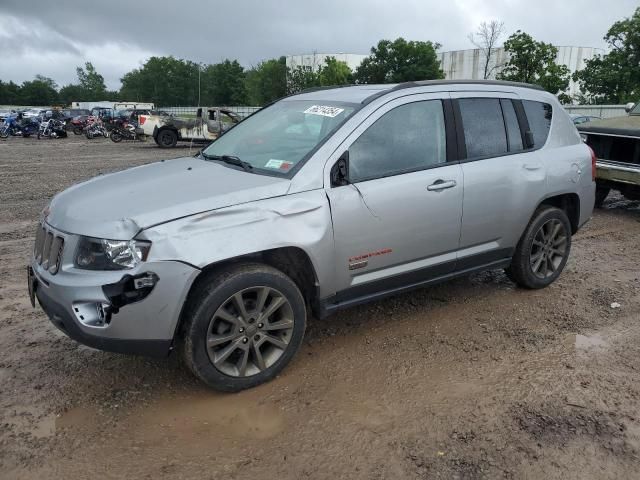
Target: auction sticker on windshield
279	164
324	110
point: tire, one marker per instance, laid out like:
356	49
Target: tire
4	133
89	135
116	137
216	295
77	130
167	138
536	263
601	195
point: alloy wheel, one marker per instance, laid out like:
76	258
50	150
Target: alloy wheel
549	248
250	331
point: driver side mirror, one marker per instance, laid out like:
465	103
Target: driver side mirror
340	171
629	106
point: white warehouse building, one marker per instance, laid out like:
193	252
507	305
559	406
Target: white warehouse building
459	64
469	64
313	61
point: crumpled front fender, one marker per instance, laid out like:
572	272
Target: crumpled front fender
300	220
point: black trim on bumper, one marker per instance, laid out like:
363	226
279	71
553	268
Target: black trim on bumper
64	322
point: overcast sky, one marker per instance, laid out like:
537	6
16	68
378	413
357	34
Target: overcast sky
52	38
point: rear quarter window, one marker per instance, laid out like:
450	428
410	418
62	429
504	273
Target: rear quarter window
539	115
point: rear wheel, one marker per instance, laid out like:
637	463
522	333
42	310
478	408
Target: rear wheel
543	249
77	130
116	137
243	326
167	138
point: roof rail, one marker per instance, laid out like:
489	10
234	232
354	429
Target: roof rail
327	87
426	83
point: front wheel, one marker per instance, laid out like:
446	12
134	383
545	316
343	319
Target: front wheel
116	137
4	133
77	130
243	326
543	249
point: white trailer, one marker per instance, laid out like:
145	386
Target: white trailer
114	105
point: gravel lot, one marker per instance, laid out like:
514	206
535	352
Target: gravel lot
470	379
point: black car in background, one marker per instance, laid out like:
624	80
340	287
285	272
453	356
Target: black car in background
70	113
580	119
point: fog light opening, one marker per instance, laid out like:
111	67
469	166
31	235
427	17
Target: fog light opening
104	312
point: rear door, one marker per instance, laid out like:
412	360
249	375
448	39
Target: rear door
503	179
398	223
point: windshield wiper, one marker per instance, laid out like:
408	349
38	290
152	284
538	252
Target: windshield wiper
231	160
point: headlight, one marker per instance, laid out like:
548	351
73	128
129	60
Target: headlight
101	254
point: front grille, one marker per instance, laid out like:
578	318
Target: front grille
48	249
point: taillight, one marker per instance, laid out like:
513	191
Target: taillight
142	119
593	164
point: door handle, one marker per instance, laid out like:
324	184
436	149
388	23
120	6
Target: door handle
532	166
439	185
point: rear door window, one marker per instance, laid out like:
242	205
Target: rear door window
484	128
539	115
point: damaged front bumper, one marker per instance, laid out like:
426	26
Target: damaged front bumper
127	311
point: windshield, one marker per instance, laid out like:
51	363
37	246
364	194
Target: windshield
282	135
635	110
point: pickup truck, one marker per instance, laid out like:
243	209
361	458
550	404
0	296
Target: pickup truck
168	130
616	143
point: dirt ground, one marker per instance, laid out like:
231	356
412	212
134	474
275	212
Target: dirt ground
470	379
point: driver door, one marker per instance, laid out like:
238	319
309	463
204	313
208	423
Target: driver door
398	222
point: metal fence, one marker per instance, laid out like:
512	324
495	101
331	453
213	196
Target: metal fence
192	111
602	111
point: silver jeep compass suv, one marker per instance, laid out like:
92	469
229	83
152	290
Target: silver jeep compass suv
320	201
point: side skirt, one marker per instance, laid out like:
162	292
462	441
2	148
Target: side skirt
343	300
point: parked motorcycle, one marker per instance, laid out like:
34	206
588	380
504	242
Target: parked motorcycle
80	122
9	127
124	131
29	126
52	128
96	129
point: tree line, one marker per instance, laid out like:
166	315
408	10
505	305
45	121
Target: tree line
167	81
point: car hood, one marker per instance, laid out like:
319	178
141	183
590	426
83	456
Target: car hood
119	205
628	125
